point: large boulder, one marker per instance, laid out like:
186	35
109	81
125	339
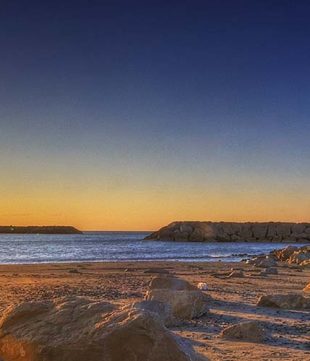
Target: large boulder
161	309
78	330
185	305
171	283
186	300
288	301
245	331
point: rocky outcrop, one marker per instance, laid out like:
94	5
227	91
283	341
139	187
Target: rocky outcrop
171	283
291	255
233	232
307	288
185	300
263	261
78	329
246	331
40	230
289	301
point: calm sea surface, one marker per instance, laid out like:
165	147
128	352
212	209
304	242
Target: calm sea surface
118	246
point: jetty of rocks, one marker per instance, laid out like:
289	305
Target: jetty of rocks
194	231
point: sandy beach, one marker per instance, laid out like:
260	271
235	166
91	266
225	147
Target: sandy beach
233	300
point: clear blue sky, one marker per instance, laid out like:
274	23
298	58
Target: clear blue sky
130	114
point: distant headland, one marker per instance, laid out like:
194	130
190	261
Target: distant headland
194	231
40	230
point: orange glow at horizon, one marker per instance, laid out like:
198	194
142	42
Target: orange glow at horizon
147	209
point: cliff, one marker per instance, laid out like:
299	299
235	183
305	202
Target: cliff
233	232
40	229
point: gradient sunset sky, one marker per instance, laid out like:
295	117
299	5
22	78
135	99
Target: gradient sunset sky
127	115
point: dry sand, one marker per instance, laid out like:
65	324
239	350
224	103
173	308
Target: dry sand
233	301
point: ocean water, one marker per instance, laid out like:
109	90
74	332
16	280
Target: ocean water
118	246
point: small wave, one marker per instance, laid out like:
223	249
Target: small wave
244	254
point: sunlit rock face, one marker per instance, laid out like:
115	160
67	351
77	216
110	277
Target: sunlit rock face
185	300
245	331
233	232
288	301
78	329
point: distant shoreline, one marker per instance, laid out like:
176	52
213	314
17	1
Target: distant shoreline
39	230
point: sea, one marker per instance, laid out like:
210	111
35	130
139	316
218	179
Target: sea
119	246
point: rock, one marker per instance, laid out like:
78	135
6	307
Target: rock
236	273
202	286
264	262
208	230
161	309
292	255
78	329
197	236
299	257
269	271
288	301
298	228
284	230
186	300
180	236
187	228
285	253
305	264
246	231
260	231
171	283
307	288
185	305
246	331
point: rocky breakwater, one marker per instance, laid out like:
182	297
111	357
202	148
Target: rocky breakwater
233	232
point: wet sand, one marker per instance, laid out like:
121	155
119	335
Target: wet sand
233	300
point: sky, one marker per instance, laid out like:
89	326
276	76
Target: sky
128	115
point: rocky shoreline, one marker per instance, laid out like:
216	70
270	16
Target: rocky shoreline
194	231
290	256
